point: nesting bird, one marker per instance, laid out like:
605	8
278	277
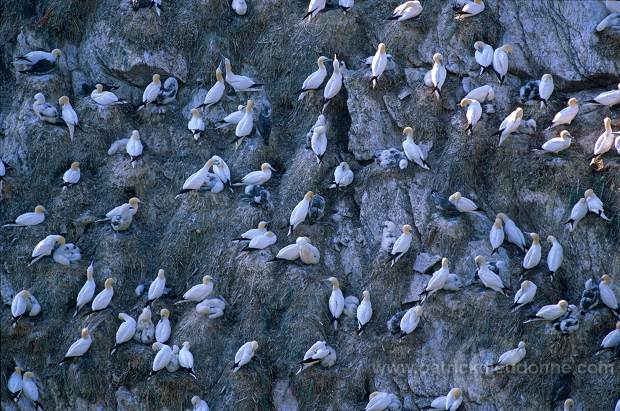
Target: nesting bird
257	177
334	84
314	81
607	98
473	114
87	292
413	151
401	246
409	322
437	281
524	295
533	255
120	217
379	62
30	389
261	242
607	295
125	331
198	292
238	82
196	124
15	383
198	403
318	142
488	277
300	212
557	144
514	235
481	94
68	115
162	358
595	205
186	359
30	218
438	74
336	301
79	347
509	125
555	256
196	181
103	299
216	92
244	354
566	115
364	312
246	124
510	358
500	61
545	89
611	340
469	9
151	92
232	119
46	247
38	63
496	235
23	301
162	329
549	312
450	402
157	287
318	353
134	147
45	111
463	204
71	176
104	98
406	11
145	330
483	56
606	140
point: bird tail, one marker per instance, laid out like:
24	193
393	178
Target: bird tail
113	350
393	17
362	328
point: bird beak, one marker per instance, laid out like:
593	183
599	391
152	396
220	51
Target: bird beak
329	60
273	169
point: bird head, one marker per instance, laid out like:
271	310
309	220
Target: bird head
550	239
465	102
519	112
28	374
61	240
18	370
456	392
218	75
565	134
207	279
164	313
479	45
108	283
366	295
196	400
572	102
75	166
135	135
526	284
195	112
606	279
308	196
406	229
84	333
437	58
418	310
254	345
381	48
161	274
39	97
547	77
535	238
498	222
266	166
607	123
507	48
563	304
334	282
56	53
455	197
250	106
63	100
134	201
408	131
186	345
99	88
569	403
39	209
479	260
521	344
156	78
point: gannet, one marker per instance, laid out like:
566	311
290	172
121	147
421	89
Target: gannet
157	287
162	358
300	212
566	115
71	176
30	218
413	151
481	94
237	82
595	205
524	296
79	347
198	292
378	401
212	308
346	5
232	119
611	340
240	7
291	251
145	330
246	124
314	81
46	247
3	167
196	180
315	354
437	281
314	8
336	301
196	124
555	256
557	144
87	292
469	9
364	312
30	389
198	403
496	235
509	125
488	277
318	142
257	177
473	114
104	98
308	254
216	92
379	62
39	62
151	92
343	176
253	232
120	217
513	234
500	61
410	320
102	300
606	140
406	11
221	170
613	6
186	359
545	89
68	115
244	355
125	331
45	111
19	305
438	74
463	204
334	84
533	254
15	384
162	329
261	242
510	358
401	246
483	56
607	294
134	147
607	98
450	402
549	312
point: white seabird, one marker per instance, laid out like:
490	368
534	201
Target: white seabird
500	61
198	403
45	111
607	98
79	347
483	56
162	358
244	354
134	147
513	234
318	142
253	232
162	329
314	81
534	253
509	125
87	292
15	383
524	296
470	9
401	246
611	340
104	98
413	151
120	217
481	94
157	287
102	300
30	218
557	144
437	281
314	8
151	92
566	115
241	8
19	305
607	294
196	124
379	62
198	292
125	331
216	92
256	177
378	401
510	358
488	277
197	179
232	119
71	176
46	246
346	5
315	354
410	320
186	359
38	62
68	115
291	251
549	312
545	89
463	204
246	124
438	74
473	113
300	212
336	301
364	312
334	84
261	242
595	205
406	11
237	82
555	256
496	235
30	389
450	402
343	176
606	140
578	212
308	253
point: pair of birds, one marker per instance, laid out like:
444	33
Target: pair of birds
589	203
166	357
315	80
496	60
24	383
49	114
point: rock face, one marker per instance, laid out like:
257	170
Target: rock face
284	306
